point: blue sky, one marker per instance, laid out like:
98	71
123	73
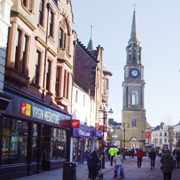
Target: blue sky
158	25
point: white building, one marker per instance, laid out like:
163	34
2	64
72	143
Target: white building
160	136
83	109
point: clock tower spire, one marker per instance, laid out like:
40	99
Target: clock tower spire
133	112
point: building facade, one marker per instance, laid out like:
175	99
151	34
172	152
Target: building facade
133	112
35	128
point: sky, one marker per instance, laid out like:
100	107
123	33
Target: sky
158	27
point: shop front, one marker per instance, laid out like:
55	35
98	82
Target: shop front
81	138
32	136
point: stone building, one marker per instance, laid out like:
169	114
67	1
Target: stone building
35	128
133	112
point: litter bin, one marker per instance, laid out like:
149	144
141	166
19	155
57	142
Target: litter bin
69	171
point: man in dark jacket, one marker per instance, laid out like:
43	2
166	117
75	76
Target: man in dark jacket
167	165
92	165
152	156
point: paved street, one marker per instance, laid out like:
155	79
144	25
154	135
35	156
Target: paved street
131	172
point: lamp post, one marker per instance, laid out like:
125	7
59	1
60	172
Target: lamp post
142	133
104	123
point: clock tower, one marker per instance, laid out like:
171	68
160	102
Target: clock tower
133	112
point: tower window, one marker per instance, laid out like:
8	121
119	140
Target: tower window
41	8
134	121
134	98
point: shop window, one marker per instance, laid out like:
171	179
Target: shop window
54	143
34	147
41	9
14	141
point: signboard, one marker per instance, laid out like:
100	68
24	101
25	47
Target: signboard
134	145
148	135
75	123
25	109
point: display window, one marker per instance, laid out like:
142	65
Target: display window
14	141
34	146
54	143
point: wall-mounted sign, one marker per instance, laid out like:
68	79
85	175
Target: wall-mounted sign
25	109
75	123
148	135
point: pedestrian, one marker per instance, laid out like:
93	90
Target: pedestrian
174	158
118	161
92	165
167	165
178	158
88	153
115	150
152	156
160	152
112	154
132	152
139	155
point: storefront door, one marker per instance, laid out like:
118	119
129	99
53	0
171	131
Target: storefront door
81	151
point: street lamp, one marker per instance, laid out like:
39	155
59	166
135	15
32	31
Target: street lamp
124	129
105	112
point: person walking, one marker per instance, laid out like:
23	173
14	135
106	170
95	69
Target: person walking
132	152
167	165
178	158
112	152
160	152
140	154
118	161
92	165
152	156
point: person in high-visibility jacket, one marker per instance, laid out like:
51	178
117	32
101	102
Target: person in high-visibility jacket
112	153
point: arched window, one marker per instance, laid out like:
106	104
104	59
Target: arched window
134	98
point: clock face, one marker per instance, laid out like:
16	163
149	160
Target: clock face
134	73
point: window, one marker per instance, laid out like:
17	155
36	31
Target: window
134	121
60	38
37	68
76	98
48	75
66	85
165	140
58	81
165	134
17	49
41	7
24	54
160	133
14	141
51	24
106	84
134	98
84	100
27	4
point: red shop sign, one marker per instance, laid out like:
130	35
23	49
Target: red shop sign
148	135
75	123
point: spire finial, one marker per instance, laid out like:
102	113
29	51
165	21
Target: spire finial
134	6
91	32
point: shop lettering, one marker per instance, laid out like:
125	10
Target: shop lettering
81	133
87	134
98	134
45	115
38	113
75	123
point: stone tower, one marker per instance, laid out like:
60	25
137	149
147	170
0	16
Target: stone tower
133	112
